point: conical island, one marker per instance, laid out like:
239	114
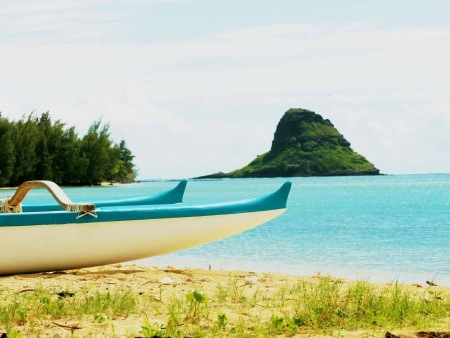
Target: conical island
305	144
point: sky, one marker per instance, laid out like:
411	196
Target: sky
196	87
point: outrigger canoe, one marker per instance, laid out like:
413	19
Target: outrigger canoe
90	236
174	195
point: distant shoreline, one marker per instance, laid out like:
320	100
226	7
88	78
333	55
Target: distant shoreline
102	184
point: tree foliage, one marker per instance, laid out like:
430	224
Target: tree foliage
38	148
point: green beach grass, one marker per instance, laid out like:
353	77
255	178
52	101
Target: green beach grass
198	303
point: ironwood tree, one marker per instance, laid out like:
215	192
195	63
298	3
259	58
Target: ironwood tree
35	147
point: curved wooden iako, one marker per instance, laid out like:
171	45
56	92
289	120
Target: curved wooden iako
57	193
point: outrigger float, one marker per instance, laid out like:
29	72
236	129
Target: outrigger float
84	234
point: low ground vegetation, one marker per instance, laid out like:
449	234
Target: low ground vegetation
238	306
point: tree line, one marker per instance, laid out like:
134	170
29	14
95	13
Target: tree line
37	148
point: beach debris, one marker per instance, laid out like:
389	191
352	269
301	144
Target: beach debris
173	270
250	280
432	334
69	326
26	290
65	294
430	283
391	335
167	281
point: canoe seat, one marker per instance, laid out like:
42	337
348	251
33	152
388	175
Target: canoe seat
12	204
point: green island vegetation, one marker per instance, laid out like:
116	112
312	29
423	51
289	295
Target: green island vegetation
305	144
36	148
229	309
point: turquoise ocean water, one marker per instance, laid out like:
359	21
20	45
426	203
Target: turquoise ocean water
380	228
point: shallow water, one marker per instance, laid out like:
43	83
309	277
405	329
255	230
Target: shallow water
380	228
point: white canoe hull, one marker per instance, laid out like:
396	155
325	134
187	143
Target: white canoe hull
29	249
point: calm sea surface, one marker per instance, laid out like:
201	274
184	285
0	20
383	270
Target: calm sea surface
381	228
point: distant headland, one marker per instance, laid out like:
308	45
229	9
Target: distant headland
305	144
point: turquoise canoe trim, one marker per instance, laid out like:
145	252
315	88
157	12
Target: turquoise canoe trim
273	201
172	196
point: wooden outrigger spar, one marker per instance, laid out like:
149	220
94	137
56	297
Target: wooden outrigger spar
13	204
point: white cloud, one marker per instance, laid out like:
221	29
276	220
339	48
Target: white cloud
401	139
192	107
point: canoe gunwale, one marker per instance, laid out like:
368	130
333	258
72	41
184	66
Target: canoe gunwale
273	201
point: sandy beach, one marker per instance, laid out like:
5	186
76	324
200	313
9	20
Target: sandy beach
161	286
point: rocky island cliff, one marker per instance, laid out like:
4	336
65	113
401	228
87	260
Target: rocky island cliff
305	144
